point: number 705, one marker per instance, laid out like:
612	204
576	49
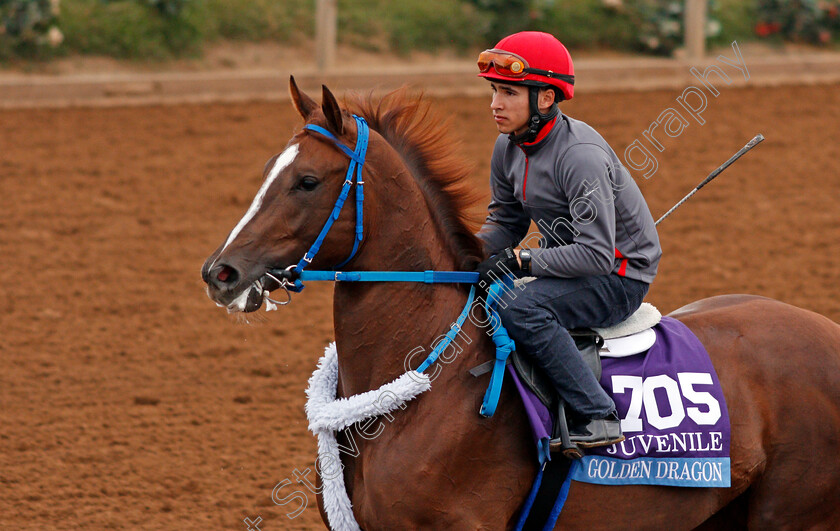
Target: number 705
642	394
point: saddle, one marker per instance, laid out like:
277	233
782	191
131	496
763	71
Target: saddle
631	336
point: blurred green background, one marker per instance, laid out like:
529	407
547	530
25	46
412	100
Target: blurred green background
167	29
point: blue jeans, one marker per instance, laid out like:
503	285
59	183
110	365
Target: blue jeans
538	319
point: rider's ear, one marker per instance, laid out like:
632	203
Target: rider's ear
332	111
303	103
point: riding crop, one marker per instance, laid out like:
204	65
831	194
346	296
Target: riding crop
751	144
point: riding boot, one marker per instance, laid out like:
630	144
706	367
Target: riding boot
598	432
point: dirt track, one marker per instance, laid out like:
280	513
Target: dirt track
130	401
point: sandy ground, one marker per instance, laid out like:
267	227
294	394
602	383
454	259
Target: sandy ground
130	401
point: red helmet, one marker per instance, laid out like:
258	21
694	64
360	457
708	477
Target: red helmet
530	58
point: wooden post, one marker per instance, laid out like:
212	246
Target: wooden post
326	32
695	29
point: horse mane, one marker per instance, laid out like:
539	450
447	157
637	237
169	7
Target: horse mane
422	140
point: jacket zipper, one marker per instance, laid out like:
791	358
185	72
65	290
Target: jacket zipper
525	181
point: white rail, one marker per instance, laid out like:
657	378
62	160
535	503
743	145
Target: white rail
326	31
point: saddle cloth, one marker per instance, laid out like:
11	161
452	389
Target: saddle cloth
668	396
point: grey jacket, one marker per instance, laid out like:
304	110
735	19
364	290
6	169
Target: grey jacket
591	216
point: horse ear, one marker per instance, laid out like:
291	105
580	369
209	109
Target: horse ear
303	103
332	111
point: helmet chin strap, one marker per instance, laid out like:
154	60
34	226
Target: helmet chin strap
537	120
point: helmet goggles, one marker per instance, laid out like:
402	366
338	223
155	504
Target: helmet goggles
508	64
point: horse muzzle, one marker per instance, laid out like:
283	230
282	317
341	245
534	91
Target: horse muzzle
226	287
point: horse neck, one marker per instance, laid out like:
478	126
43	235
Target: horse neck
378	324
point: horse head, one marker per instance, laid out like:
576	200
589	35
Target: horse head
298	193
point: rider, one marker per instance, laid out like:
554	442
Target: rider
599	248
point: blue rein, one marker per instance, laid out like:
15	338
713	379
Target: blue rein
427	277
504	345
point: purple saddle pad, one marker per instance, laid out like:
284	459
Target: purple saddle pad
673	412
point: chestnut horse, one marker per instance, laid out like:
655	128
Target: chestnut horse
438	464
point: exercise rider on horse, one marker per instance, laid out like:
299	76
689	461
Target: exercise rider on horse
599	249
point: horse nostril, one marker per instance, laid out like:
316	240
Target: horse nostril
224	275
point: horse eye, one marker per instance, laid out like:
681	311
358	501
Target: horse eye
307	184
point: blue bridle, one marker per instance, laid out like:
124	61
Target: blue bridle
354	171
504	345
354	176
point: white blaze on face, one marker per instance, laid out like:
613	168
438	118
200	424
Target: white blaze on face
282	161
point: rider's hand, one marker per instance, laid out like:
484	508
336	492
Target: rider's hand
501	264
